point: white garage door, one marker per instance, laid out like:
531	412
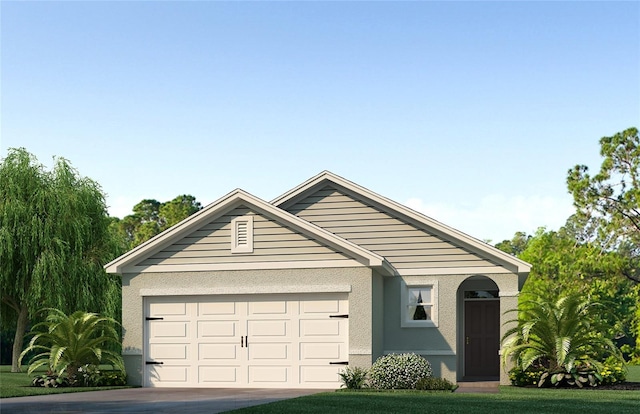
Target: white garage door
266	341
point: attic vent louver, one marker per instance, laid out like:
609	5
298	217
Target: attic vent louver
242	235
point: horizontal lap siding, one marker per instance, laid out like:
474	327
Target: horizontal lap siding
272	242
403	245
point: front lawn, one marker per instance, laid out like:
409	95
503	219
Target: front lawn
510	400
19	385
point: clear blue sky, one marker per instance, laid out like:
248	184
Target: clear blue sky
471	112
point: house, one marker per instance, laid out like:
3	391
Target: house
249	293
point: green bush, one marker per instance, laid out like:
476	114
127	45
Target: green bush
88	376
353	378
612	371
398	371
72	346
435	384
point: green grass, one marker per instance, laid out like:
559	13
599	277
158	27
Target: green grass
510	400
19	385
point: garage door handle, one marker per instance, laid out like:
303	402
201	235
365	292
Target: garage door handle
339	363
339	316
151	318
154	363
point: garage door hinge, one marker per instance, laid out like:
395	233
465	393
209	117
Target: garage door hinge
338	316
152	318
339	363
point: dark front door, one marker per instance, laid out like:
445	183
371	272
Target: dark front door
482	338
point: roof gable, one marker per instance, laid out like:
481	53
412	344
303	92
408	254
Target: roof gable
177	248
300	201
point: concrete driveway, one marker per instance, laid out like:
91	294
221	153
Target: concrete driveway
149	400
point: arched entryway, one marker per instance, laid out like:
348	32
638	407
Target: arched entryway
479	304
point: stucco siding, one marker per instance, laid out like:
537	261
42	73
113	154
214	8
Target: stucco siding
401	243
272	242
283	281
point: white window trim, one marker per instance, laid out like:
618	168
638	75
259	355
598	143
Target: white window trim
246	247
405	322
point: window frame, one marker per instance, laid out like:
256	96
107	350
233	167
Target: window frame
407	287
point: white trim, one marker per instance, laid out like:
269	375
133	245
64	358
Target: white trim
246	290
238	244
211	267
443	352
502	294
420	219
453	271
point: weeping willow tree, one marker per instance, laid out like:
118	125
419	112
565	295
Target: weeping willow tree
54	240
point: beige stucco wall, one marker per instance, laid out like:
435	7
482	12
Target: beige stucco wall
361	319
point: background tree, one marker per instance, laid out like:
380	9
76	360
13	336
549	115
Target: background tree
609	202
54	240
150	217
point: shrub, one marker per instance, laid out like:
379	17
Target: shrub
353	378
88	376
435	384
72	346
398	371
610	372
613	372
562	339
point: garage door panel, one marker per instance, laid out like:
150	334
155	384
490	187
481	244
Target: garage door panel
168	309
319	306
212	352
219	375
319	375
270	374
268	328
320	351
168	352
217	329
169	374
262	351
319	327
268	308
216	308
167	329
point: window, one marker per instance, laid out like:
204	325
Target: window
242	235
419	305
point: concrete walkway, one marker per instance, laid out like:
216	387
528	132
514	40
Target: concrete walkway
482	387
149	400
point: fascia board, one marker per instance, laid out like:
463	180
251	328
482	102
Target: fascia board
513	263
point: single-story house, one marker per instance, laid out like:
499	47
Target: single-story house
250	293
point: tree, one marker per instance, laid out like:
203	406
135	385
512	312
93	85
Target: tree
150	217
562	265
69	343
563	337
609	202
516	245
54	240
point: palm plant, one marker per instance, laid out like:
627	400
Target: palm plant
64	344
561	337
